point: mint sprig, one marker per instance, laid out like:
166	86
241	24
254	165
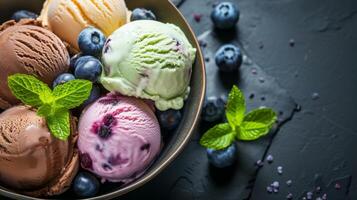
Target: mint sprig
251	126
53	105
221	135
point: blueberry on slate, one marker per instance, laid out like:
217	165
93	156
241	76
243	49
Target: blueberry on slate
142	14
225	15
94	95
63	78
223	158
23	14
85	185
88	67
72	64
213	109
91	41
169	119
228	58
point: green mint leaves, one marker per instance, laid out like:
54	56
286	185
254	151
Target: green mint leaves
29	90
52	105
247	127
218	137
235	108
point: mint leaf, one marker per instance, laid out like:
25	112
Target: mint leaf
261	115
44	110
28	89
235	108
59	124
72	94
256	124
218	137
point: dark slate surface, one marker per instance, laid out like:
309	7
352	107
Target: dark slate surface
306	53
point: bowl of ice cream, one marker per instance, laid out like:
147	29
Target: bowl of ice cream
169	75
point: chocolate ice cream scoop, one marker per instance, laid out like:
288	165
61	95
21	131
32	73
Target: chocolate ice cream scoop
29	49
32	161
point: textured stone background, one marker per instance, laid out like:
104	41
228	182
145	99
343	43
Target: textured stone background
316	148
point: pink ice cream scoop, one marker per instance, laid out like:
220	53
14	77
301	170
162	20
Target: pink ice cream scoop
118	138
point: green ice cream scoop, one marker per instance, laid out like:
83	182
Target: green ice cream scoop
149	60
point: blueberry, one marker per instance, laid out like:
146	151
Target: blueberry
228	58
63	78
170	119
94	95
85	185
225	15
223	158
72	64
23	14
88	67
91	41
213	109
142	14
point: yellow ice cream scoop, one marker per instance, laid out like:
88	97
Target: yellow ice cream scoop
67	18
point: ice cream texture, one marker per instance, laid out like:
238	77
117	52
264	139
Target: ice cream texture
29	49
150	60
119	137
32	161
67	18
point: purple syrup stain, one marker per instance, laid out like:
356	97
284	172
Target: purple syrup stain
109	120
133	176
107	49
86	161
107	46
98	148
144	75
117	160
197	17
177	43
109	101
95	127
145	147
106	167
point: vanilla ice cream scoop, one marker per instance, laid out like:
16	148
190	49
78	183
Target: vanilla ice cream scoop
67	18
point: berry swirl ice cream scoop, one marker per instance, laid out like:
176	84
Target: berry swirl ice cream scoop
150	60
118	138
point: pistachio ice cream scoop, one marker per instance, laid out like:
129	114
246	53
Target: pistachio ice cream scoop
149	60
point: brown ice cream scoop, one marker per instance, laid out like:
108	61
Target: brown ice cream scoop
32	161
29	49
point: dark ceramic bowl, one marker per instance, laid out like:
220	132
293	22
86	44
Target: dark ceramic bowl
166	12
